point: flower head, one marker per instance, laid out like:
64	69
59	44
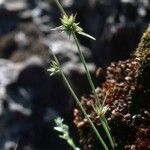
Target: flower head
101	111
54	68
69	25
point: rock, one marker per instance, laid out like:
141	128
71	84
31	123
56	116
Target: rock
9	21
30	104
15	5
66	51
21	40
7	67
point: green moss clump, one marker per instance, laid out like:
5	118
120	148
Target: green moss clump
143	49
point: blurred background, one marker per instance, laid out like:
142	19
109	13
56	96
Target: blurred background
29	99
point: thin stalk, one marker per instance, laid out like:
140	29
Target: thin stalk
106	122
85	66
92	87
107	130
60	7
84	112
74	146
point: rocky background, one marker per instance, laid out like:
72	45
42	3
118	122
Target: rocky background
29	98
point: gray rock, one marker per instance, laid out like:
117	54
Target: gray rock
15	5
8	72
66	51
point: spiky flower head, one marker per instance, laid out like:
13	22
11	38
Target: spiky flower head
101	111
69	25
54	68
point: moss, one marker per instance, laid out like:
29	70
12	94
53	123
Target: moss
143	49
129	102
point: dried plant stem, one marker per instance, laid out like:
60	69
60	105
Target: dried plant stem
83	111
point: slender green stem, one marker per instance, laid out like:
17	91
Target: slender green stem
85	66
60	7
73	146
107	130
84	112
106	122
93	88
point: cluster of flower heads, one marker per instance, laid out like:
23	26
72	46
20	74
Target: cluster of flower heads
128	88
